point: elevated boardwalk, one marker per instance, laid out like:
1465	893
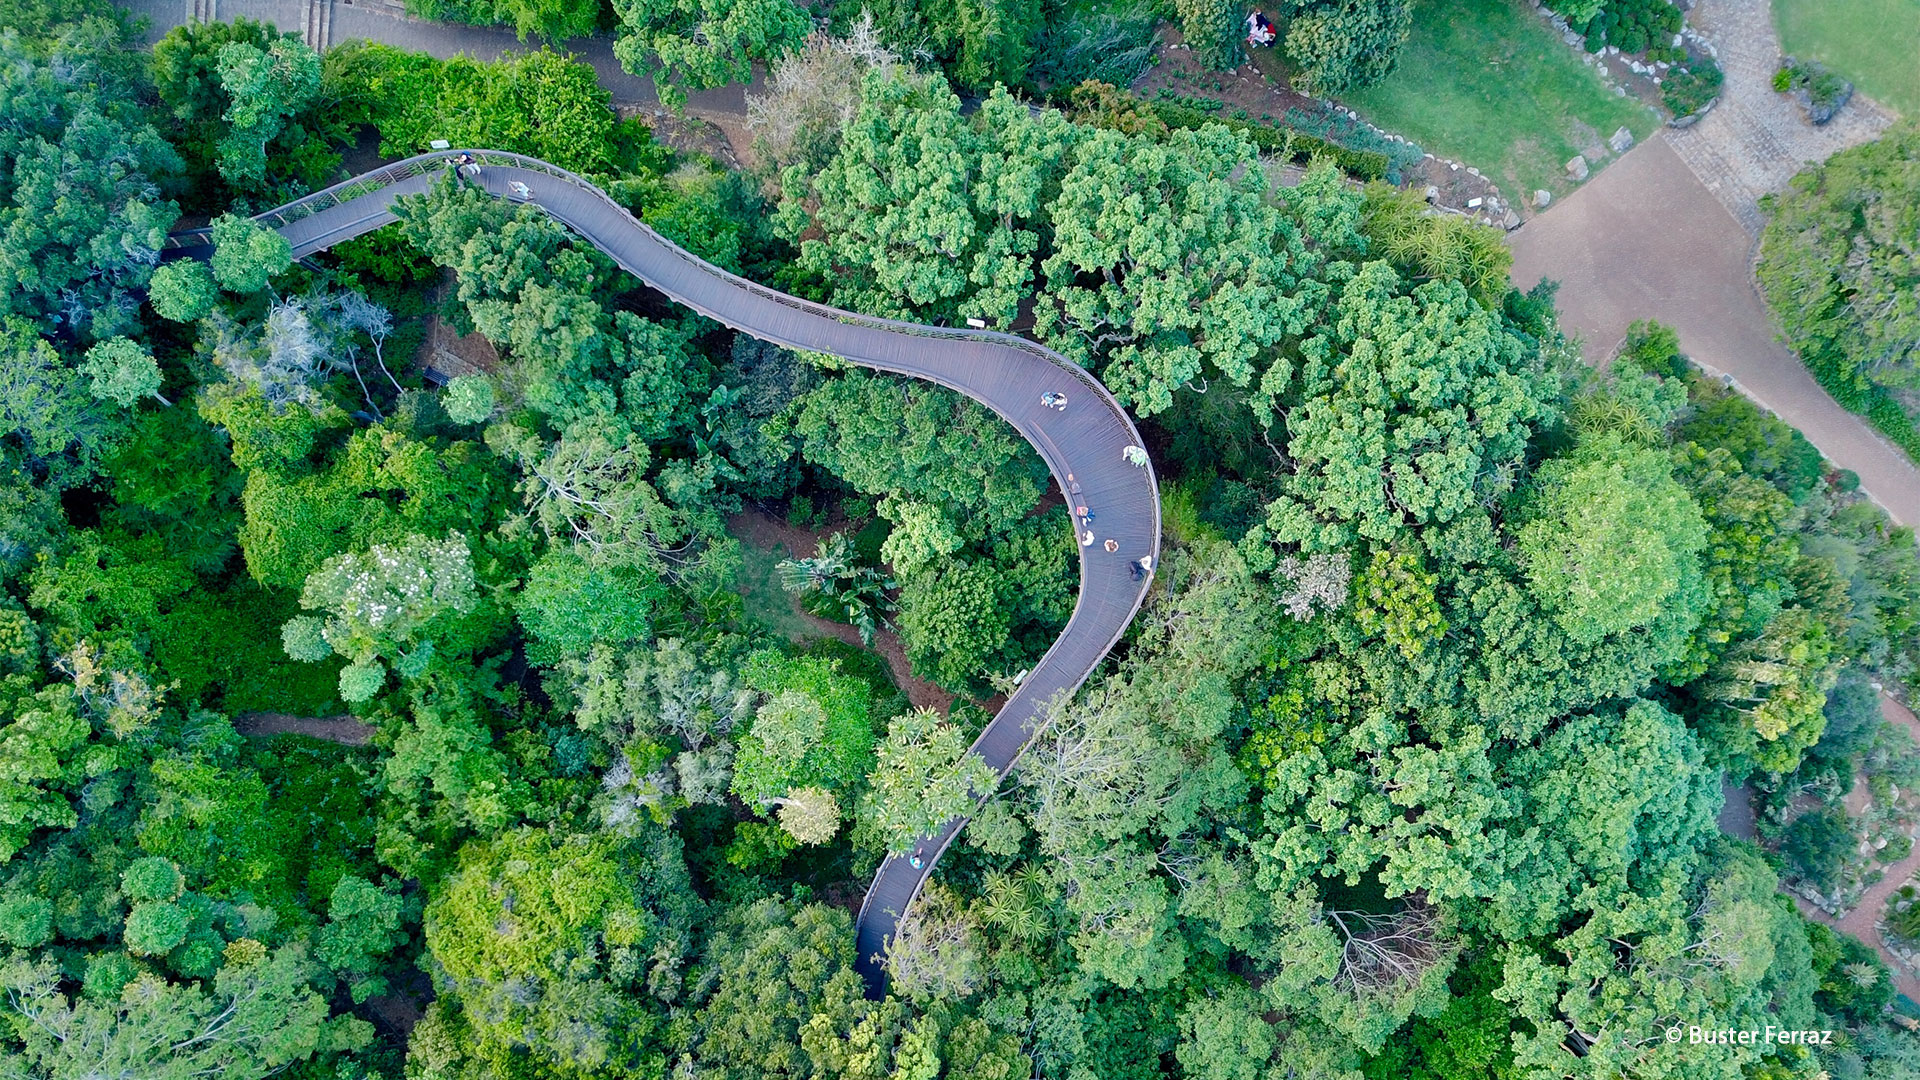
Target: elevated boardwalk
1007	374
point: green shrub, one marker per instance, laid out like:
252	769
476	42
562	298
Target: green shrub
1687	90
1632	25
1296	146
1783	80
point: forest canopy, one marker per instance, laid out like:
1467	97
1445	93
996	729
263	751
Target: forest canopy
397	678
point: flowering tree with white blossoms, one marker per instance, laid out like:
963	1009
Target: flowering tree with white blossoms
382	601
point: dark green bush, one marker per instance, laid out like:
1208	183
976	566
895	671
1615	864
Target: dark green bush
1687	90
1297	146
1635	26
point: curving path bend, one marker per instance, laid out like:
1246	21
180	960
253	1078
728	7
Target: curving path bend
1006	373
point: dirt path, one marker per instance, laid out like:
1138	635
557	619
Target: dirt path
1646	240
759	529
1862	921
346	730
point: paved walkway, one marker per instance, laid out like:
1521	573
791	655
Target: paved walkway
1082	445
1668	232
1754	140
1645	239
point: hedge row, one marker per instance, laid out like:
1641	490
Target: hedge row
1298	146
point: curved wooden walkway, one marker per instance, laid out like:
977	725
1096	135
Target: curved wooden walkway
1082	446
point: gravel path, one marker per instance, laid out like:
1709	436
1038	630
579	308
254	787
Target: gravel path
1754	140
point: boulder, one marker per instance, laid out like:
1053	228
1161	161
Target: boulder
1433	193
1577	168
1511	221
1541	198
1622	141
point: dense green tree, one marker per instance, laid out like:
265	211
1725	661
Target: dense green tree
1405	409
954	622
182	291
552	20
385	603
775	968
1611	541
924	777
554	944
978	42
52	430
85	174
363	925
1164	260
1336	45
1214	30
698	44
963	244
1836	265
542	103
812	728
884	436
251	1021
123	372
246	255
235	89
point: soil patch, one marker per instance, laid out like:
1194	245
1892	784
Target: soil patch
345	730
772	540
720	136
445	353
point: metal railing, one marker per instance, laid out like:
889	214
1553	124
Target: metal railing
442	160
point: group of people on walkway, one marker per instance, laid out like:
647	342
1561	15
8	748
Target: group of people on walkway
1084	514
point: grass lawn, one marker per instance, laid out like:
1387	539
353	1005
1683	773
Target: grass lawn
1874	43
1487	83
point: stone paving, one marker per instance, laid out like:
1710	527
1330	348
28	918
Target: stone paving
1755	139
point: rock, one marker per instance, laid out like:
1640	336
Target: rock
1638	67
1454	165
1828	106
1613	50
1433	193
1619	91
1622	141
1511	221
1541	198
1577	168
1677	39
1571	38
1656	80
1471	171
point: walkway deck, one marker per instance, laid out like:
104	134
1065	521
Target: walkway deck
1006	373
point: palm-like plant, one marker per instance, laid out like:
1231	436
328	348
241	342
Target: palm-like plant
832	585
